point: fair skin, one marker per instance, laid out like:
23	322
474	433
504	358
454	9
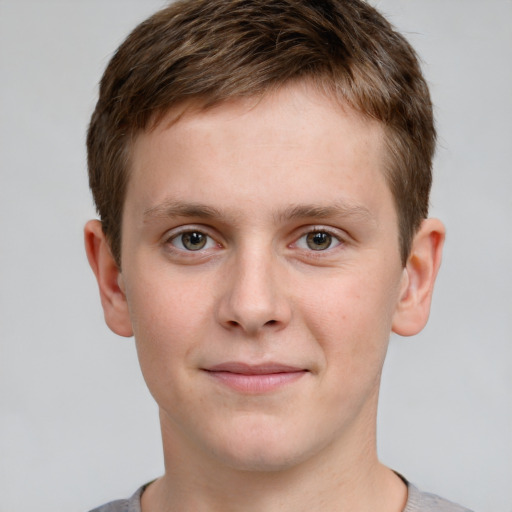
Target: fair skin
261	277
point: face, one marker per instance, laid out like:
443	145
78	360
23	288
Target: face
261	270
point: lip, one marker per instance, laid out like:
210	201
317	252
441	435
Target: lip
255	379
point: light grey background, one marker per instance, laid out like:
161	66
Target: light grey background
78	427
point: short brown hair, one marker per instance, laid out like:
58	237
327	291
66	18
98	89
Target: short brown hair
212	50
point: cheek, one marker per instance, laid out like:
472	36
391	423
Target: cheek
168	301
350	318
170	319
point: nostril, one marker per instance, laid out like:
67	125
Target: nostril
271	322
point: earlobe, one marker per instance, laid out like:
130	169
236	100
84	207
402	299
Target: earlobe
418	279
109	278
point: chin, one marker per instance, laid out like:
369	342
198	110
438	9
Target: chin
267	451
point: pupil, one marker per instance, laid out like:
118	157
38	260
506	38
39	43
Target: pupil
319	241
194	240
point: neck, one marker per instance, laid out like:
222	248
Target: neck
344	477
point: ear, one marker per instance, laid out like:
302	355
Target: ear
418	279
113	299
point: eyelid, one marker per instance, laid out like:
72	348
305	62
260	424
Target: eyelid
337	234
174	233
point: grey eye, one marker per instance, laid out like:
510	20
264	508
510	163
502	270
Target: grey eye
318	240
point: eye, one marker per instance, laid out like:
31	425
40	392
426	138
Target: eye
192	241
318	241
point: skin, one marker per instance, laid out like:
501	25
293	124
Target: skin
262	183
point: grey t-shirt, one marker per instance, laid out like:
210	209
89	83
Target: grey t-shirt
417	501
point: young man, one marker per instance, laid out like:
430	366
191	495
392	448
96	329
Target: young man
262	172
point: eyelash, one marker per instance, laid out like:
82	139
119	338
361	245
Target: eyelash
335	241
210	242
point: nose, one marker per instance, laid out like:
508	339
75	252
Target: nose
254	297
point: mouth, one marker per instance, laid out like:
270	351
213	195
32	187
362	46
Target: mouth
255	379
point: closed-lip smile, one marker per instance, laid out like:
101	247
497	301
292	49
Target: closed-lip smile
255	378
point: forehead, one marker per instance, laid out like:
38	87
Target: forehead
294	140
280	108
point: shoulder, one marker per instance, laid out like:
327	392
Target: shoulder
131	504
425	502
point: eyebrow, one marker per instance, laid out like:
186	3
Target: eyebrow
180	209
341	209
